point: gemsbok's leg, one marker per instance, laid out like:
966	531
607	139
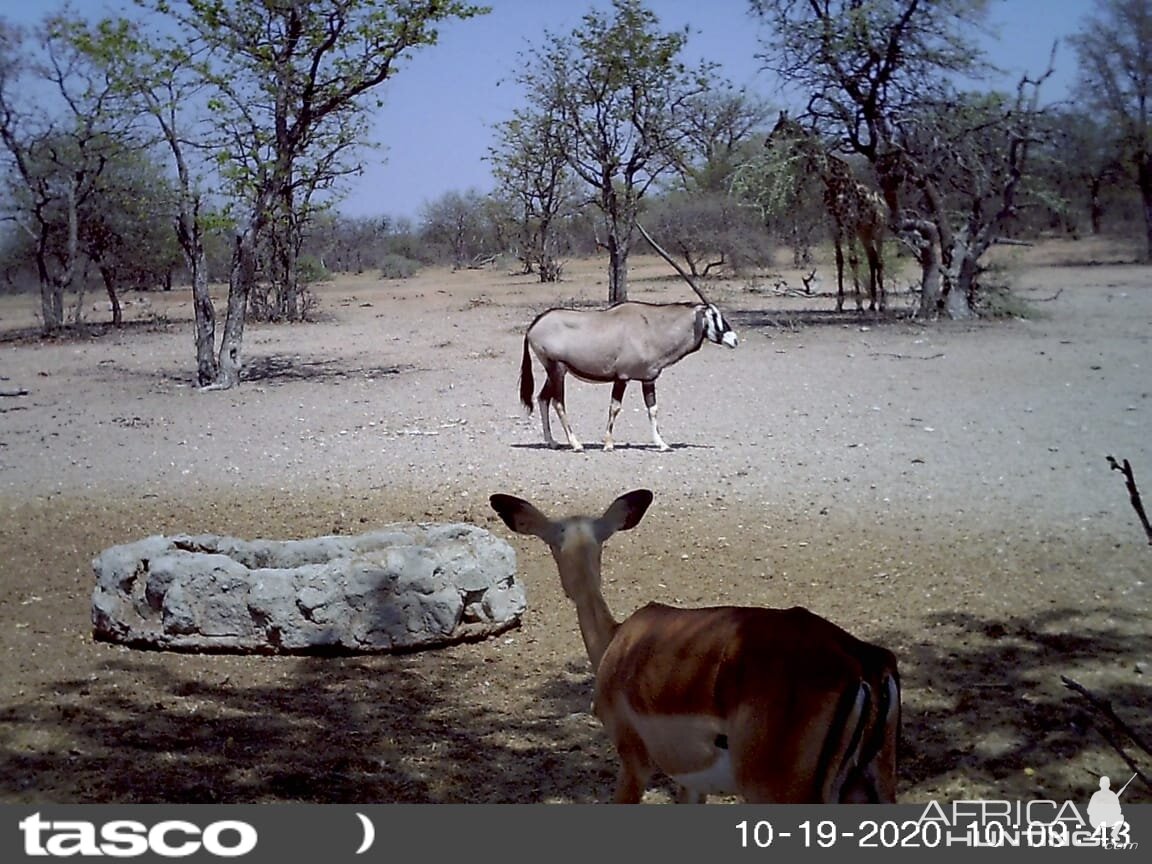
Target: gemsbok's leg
557	382
618	388
544	403
650	401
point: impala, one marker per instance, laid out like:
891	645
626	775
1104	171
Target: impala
774	705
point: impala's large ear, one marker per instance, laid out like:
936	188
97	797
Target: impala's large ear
521	516
624	513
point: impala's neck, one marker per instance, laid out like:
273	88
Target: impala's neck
597	625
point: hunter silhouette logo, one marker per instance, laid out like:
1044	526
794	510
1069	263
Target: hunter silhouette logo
1104	809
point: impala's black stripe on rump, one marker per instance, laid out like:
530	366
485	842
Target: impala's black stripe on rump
829	764
875	743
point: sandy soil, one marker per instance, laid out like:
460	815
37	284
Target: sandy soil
942	489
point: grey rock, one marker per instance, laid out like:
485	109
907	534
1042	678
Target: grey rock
404	587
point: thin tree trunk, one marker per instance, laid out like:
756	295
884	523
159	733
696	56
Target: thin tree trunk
51	305
617	267
109	278
191	238
1147	195
1096	208
242	278
958	295
206	367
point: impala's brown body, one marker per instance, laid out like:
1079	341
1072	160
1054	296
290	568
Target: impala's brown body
775	705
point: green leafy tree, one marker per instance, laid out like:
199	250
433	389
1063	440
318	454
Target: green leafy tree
163	83
57	136
289	86
720	126
1081	163
621	92
125	227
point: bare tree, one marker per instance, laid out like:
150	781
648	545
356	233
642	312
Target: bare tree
720	124
289	87
712	232
1114	48
161	80
530	164
457	225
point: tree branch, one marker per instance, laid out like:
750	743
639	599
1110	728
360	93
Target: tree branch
1133	494
1104	707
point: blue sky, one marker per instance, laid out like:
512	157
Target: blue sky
438	114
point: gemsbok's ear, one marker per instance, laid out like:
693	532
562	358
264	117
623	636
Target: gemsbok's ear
521	517
624	513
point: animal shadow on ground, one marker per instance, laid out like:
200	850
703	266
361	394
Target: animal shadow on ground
540	445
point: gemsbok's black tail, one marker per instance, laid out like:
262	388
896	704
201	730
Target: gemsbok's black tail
527	384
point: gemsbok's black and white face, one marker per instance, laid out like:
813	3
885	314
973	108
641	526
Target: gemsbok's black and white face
717	329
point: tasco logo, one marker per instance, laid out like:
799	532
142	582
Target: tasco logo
124	838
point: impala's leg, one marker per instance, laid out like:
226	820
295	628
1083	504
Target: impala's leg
886	770
684	795
557	381
650	401
635	772
618	388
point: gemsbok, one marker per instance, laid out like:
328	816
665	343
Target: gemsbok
773	705
630	341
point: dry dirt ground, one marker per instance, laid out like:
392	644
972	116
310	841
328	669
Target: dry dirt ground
942	489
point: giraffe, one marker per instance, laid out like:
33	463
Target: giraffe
859	214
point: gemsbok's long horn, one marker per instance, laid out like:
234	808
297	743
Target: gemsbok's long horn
683	273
